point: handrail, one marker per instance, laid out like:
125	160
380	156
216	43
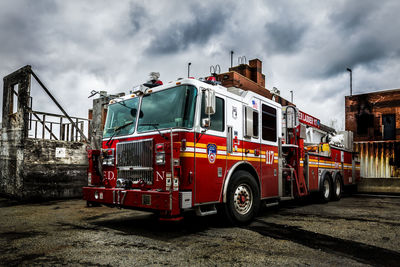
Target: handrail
59	106
66	129
56	115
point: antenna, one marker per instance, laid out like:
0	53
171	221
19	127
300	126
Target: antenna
242	60
190	63
214	70
231	58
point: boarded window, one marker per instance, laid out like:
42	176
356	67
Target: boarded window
389	126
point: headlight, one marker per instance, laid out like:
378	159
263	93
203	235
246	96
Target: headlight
108	161
160	158
160	154
108	157
89	178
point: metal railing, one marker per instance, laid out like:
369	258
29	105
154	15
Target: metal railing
44	125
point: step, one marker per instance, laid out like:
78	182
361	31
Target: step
211	210
272	204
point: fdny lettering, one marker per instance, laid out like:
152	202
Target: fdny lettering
109	175
160	175
269	157
212	152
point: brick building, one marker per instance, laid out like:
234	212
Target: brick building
249	77
375	120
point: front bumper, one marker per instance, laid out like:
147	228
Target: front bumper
152	200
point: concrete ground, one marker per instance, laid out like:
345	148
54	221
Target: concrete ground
358	230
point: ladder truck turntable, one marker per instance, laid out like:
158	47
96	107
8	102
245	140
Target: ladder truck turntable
196	145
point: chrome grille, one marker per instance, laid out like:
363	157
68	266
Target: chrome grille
135	160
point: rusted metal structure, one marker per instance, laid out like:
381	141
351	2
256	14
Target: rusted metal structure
375	120
42	155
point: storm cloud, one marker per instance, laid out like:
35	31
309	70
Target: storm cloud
79	46
284	36
202	24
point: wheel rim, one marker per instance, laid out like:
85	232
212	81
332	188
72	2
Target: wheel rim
326	188
338	187
243	199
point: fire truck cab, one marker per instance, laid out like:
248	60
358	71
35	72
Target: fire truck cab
194	145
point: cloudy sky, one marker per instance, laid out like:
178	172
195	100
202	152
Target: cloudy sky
305	46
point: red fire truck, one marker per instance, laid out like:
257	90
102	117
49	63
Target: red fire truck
195	145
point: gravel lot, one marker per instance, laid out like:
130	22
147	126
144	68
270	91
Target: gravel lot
356	231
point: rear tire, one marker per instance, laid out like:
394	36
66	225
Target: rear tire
337	188
242	199
325	189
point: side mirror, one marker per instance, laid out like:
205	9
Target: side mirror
205	123
248	126
134	112
209	96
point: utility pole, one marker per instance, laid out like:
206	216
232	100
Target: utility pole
351	81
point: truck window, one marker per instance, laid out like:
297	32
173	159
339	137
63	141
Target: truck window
217	119
255	124
173	107
268	123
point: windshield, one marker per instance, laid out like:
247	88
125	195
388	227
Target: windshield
121	118
168	108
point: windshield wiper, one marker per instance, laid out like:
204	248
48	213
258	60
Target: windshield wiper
119	128
155	127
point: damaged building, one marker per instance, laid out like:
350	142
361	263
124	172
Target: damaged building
42	155
375	120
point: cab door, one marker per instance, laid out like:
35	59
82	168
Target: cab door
251	140
210	154
270	131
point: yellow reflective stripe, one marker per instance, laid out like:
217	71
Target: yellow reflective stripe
200	145
187	154
252	159
234	157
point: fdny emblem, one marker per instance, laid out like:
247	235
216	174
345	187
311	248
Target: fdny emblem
211	152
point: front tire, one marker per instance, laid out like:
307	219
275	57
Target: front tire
243	198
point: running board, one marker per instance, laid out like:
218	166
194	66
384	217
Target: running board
286	198
272	204
210	210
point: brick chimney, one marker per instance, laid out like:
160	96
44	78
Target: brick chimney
252	71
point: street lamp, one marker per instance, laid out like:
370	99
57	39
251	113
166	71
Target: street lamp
351	81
